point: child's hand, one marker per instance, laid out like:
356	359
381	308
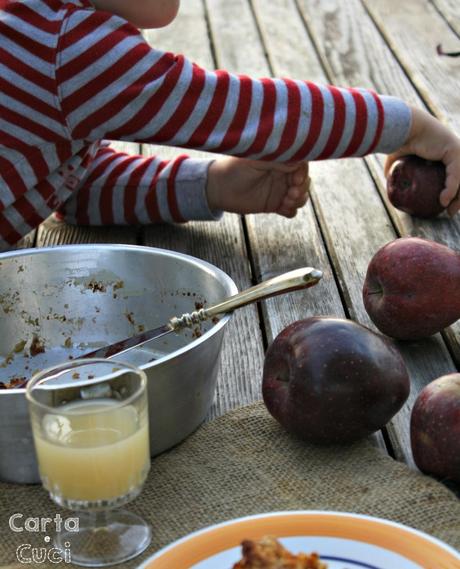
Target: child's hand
430	139
248	186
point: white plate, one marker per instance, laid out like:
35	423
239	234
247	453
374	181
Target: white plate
343	541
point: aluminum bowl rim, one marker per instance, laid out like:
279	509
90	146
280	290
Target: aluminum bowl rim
222	276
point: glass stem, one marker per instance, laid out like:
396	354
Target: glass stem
98	519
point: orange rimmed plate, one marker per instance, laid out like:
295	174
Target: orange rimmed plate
343	541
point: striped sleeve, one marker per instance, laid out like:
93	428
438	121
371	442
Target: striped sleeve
126	189
113	85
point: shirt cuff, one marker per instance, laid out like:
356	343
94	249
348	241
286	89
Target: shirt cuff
190	185
397	123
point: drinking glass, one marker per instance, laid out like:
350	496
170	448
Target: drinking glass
90	427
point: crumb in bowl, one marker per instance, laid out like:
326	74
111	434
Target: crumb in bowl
26	348
37	346
268	553
13	383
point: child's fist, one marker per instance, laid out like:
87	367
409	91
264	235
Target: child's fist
248	186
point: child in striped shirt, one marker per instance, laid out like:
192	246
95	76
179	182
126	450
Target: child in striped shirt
76	73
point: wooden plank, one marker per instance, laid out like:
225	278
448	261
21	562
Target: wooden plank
277	244
52	232
403	24
188	34
236	39
345	197
351	48
450	11
220	243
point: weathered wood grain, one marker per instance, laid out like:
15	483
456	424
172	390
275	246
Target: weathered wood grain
352	218
188	34
403	24
352	49
235	38
221	243
53	233
451	13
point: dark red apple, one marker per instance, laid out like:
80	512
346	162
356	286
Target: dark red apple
435	428
411	288
330	380
414	186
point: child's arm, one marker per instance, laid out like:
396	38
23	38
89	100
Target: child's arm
128	189
112	84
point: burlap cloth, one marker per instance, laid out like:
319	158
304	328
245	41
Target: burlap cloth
244	463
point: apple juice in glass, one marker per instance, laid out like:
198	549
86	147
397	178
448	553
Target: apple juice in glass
90	426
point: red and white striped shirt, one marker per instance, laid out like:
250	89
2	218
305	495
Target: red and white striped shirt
72	77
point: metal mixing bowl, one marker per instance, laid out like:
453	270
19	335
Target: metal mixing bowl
73	299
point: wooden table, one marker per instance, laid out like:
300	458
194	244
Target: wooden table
387	45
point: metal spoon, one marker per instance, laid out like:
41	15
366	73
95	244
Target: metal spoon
287	282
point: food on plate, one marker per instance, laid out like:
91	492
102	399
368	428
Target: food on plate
435	428
268	553
331	380
411	288
414	185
